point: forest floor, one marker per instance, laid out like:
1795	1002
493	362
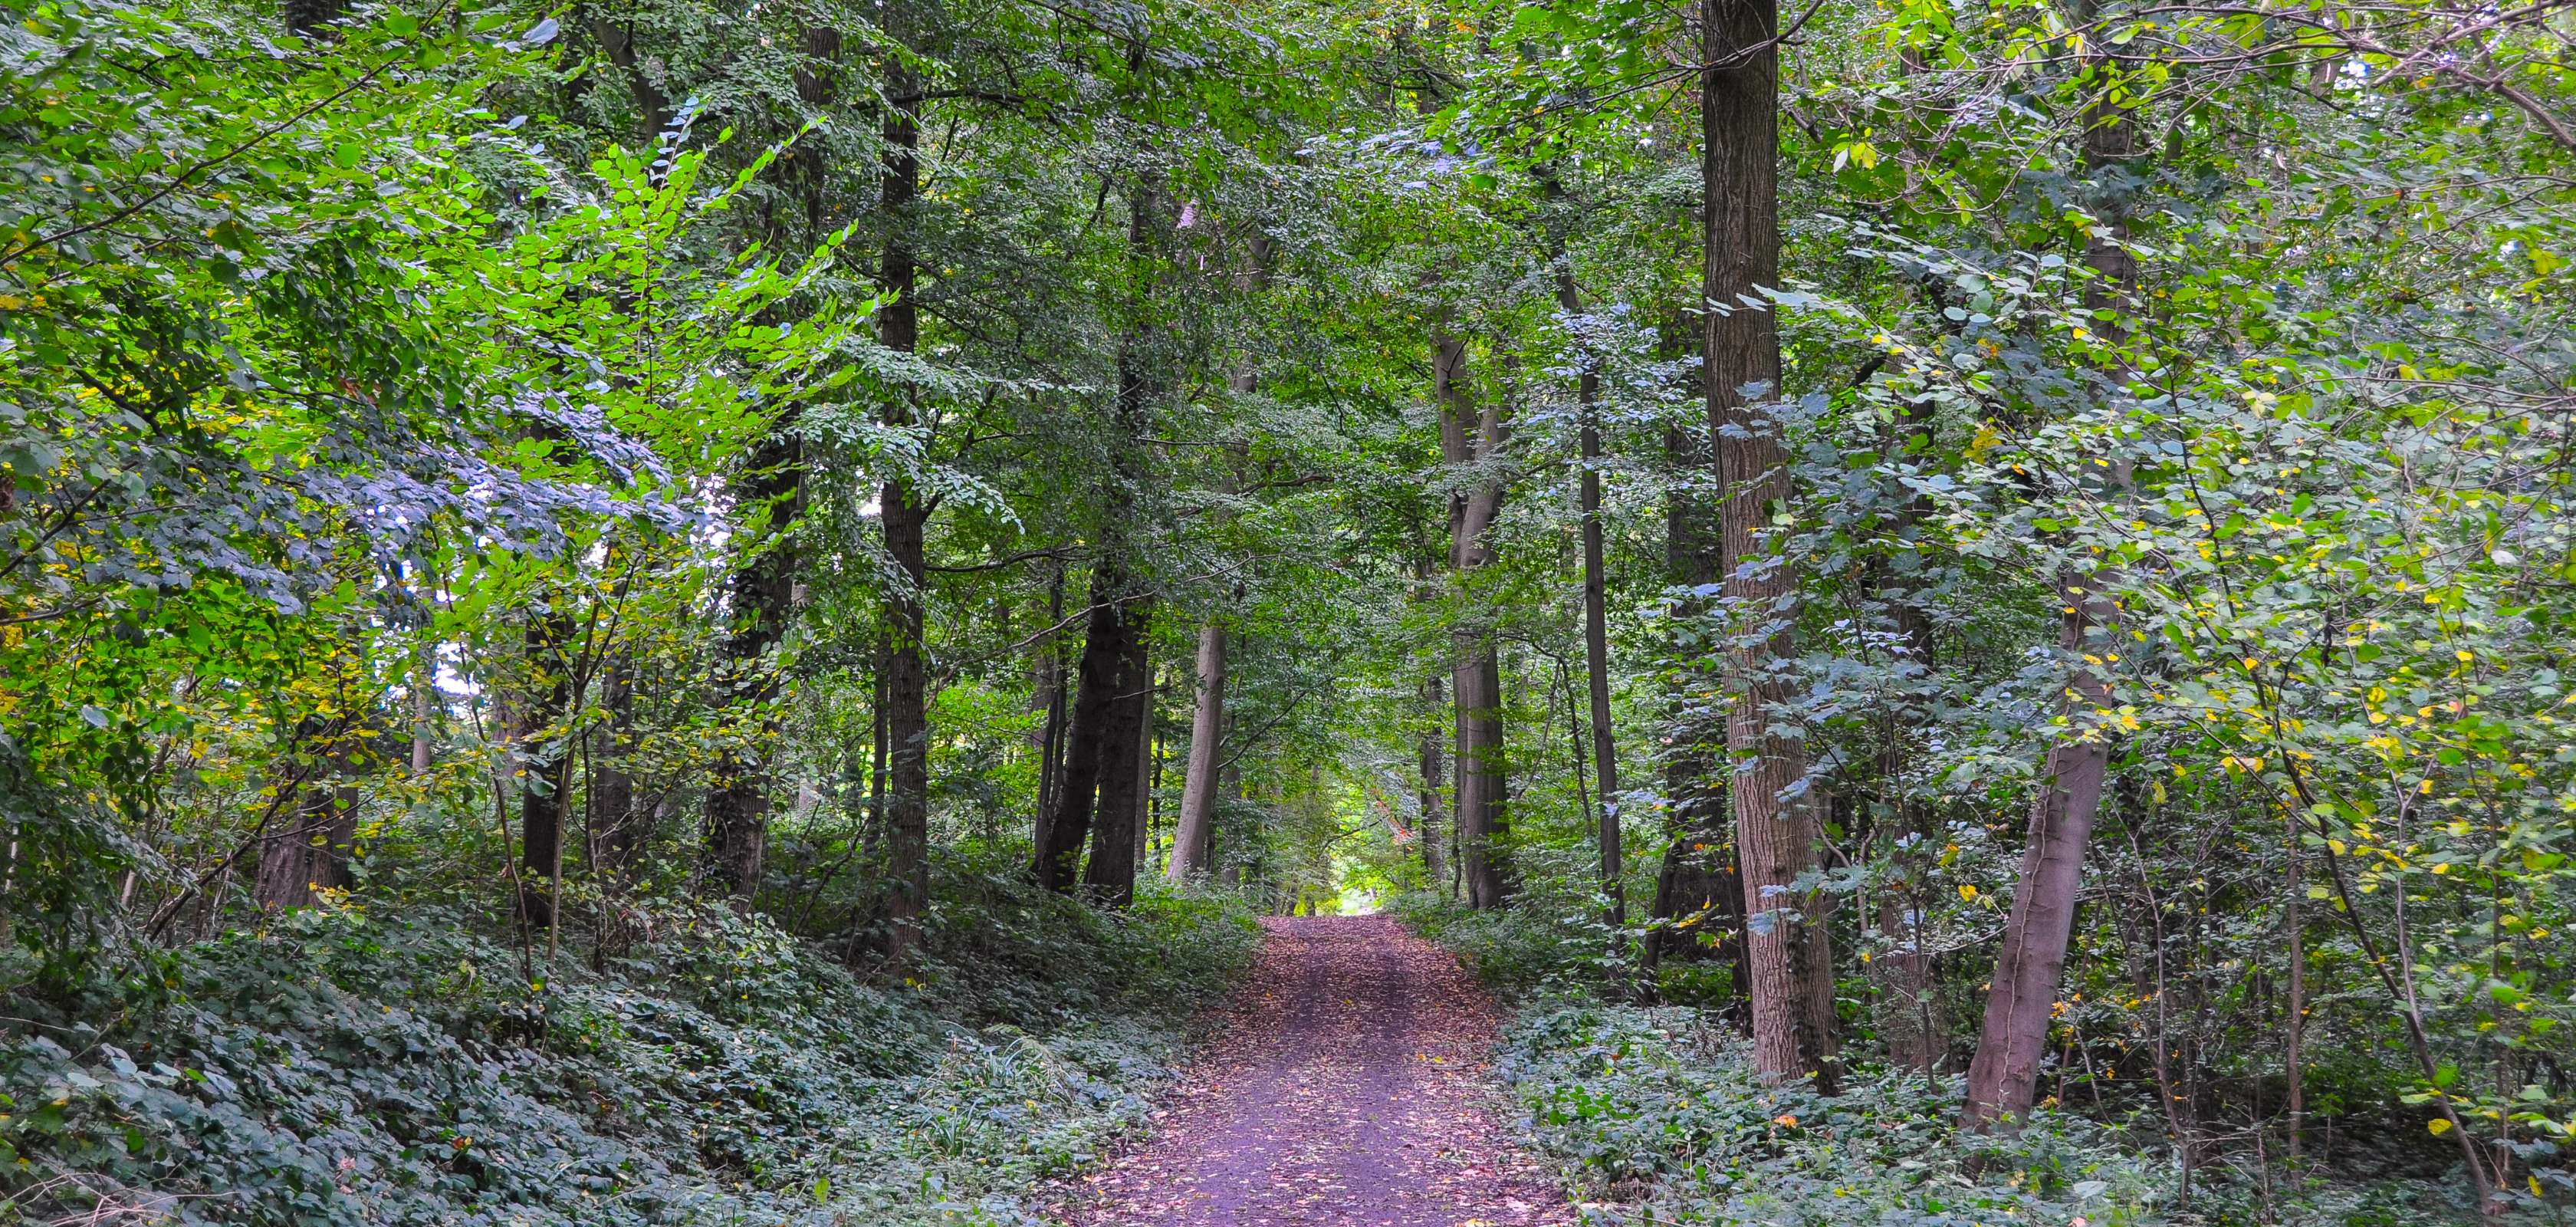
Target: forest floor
1351	1088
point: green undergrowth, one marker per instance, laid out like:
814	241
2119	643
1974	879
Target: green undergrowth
1653	1115
346	1066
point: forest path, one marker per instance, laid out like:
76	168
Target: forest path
1348	1091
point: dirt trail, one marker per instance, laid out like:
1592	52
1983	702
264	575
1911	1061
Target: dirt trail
1349	1091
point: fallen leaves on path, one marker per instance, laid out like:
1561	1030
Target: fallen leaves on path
1348	1091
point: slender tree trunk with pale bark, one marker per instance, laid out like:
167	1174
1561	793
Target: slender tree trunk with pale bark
1190	842
1472	438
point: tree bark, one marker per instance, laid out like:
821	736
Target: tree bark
770	493
617	832
1699	874
545	775
424	706
1051	679
1471	438
1190	842
1111	872
1114	639
1778	831
1699	883
1436	829
312	854
1596	617
904	516
1096	689
2003	1079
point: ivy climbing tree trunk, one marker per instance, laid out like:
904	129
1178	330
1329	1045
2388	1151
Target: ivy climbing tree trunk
1778	831
1596	614
769	495
308	846
1096	680
1436	824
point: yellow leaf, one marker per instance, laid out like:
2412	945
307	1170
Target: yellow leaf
2438	1126
1968	893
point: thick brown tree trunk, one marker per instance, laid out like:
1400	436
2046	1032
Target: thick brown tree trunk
1699	876
307	846
312	854
1700	895
1778	831
1051	686
616	830
769	494
1190	841
1114	639
1096	690
424	706
763	602
1111	872
904	515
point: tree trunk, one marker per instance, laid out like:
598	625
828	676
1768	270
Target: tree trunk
1198	785
616	831
1699	884
904	516
763	602
1113	642
312	855
2293	1058
1596	616
1051	680
545	776
1096	681
1699	873
2003	1079
1470	438
1777	828
1435	831
320	822
424	707
1111	871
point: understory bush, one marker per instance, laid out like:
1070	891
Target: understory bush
1655	1116
343	1065
1516	951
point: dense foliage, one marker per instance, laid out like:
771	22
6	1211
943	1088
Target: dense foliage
591	596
